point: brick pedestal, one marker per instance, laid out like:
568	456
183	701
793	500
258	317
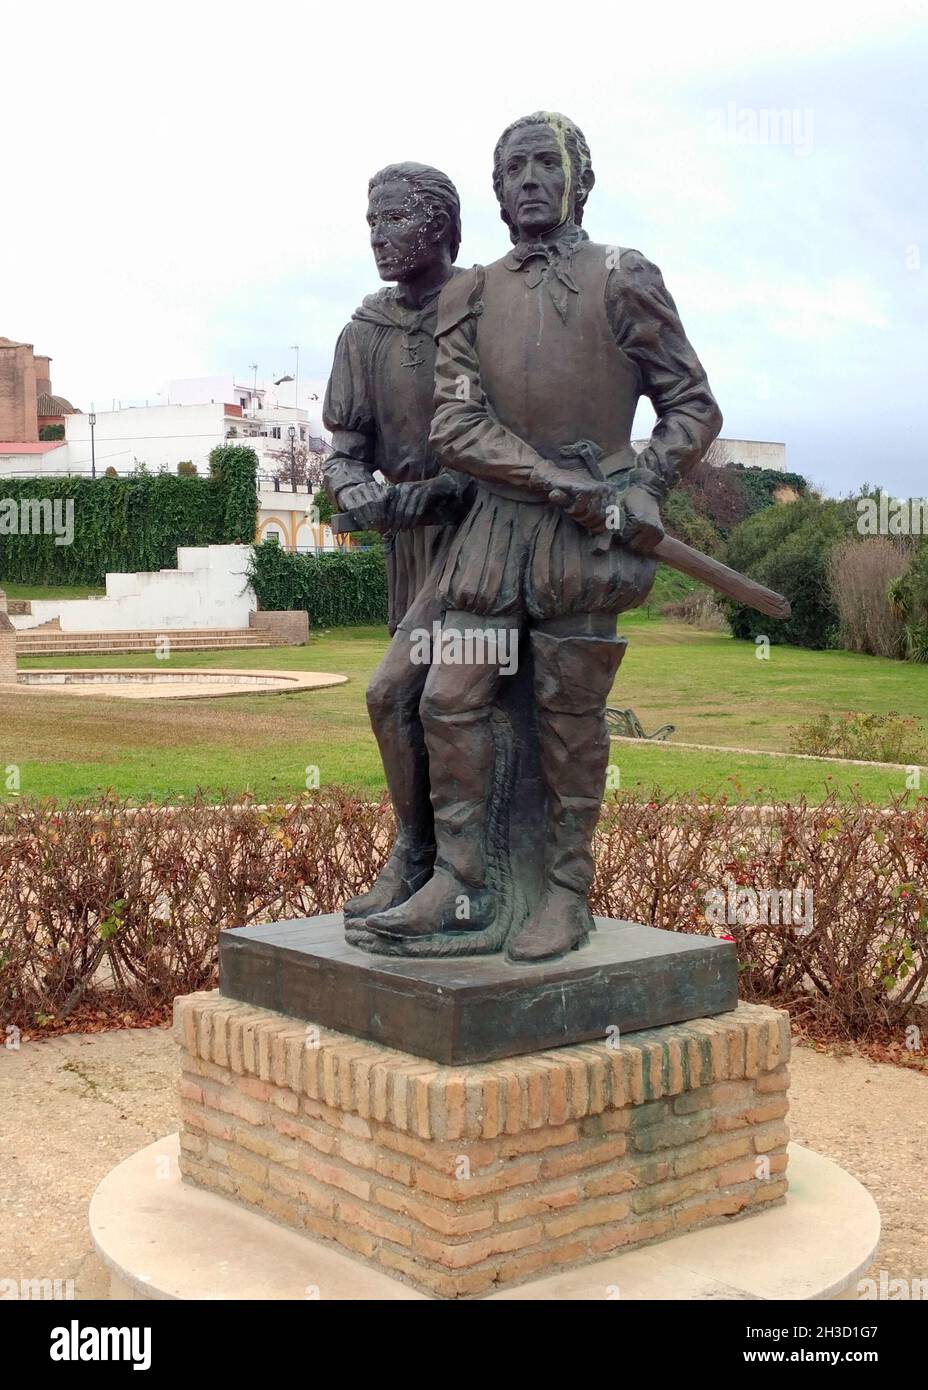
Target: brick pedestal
465	1179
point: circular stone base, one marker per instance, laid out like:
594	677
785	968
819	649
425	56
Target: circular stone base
161	1238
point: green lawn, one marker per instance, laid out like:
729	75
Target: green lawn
711	687
50	591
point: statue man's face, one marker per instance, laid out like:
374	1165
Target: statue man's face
536	180
402	231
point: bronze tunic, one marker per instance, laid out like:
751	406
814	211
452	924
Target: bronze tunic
554	378
378	405
535	353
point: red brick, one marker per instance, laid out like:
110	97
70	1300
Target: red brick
770	1137
513	1267
370	1221
441	1218
302	1189
473	1252
772	1081
536	1204
535	1140
556	1165
774	1109
329	1173
602	1213
513	1174
619	1180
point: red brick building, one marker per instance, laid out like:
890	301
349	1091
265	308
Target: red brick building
27	404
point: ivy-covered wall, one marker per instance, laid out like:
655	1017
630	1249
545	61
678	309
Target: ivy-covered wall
335	588
760	484
129	524
233	473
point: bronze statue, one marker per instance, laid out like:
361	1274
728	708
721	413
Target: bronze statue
519	523
379	407
541	360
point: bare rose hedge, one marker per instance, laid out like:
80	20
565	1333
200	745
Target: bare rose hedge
115	908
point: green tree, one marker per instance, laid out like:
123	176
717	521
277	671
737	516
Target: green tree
687	524
909	597
787	548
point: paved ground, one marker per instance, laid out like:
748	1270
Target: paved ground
72	1107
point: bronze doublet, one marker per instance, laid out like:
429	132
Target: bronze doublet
552	376
550	379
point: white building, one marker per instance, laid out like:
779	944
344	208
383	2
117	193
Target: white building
750	453
26	460
284	394
191	418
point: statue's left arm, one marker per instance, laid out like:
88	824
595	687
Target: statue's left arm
646	325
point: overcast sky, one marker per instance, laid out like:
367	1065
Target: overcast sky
184	188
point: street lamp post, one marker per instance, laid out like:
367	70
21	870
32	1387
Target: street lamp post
93	451
295	347
292	433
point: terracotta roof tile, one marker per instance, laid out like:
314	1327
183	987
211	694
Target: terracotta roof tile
55	405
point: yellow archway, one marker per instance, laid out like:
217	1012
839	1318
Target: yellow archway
286	529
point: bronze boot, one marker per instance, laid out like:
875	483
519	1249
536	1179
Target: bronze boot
456	720
393	697
404	873
444	904
560	923
573	677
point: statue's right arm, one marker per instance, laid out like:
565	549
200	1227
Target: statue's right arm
348	413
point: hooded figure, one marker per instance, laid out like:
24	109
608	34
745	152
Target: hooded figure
378	406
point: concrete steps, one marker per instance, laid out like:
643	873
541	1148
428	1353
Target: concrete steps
45	642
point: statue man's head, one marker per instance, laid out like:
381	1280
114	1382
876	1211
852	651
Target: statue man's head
414	215
542	174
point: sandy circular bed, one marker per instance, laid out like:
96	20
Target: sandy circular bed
128	683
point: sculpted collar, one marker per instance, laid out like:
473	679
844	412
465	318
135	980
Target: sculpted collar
549	262
387	309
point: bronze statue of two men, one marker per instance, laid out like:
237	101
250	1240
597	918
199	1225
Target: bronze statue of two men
497	405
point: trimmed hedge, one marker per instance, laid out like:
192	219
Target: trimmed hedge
336	588
132	524
108	911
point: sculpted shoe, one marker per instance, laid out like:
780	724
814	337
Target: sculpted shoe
400	877
560	923
443	904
